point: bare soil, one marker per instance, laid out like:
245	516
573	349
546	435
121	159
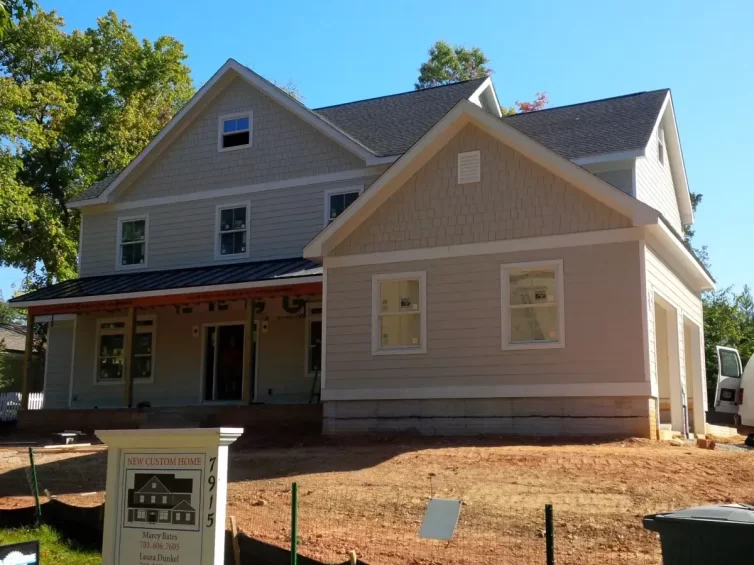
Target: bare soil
370	495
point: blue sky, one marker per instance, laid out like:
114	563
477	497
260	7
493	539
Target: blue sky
338	51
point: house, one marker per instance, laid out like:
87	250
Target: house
410	262
160	499
12	347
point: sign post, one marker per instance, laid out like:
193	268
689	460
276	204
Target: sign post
166	495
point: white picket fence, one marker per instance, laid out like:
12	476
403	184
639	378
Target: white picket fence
11	401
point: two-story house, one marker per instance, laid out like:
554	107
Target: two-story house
411	262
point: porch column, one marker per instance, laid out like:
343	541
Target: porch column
128	349
249	346
27	360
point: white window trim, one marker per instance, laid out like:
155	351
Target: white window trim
334	192
220	119
218	209
100	332
119	242
377	349
661	144
505	306
312	318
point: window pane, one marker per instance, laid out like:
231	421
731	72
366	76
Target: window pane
400	331
315	346
143	344
399	296
226	244
242	123
133	254
229	126
729	364
112	325
142	367
349	198
111	345
235	139
239	242
532	286
233	243
110	368
339	202
534	324
239	218
133	231
226	219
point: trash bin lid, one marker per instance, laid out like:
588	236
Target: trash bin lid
741	513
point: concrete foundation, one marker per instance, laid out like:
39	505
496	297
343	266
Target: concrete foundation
579	416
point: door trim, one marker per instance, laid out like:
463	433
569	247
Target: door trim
243	323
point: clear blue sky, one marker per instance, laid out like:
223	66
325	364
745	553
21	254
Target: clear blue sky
338	51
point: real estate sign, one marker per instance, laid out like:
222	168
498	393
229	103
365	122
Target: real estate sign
166	495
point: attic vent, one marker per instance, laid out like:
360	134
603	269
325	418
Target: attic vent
469	167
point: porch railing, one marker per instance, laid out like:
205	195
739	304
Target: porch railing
10	402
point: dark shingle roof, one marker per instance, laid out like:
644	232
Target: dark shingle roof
390	125
594	128
13	336
96	189
284	270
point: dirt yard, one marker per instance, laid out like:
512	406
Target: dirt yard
370	496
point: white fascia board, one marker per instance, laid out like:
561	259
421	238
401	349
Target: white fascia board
674	252
610	157
486	89
677	164
282	281
463	113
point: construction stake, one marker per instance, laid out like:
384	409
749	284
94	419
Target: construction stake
35	486
236	547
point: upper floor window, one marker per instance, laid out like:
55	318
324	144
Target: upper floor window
532	305
661	144
132	242
232	239
338	199
234	131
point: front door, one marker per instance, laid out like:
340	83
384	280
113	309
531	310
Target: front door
728	380
223	363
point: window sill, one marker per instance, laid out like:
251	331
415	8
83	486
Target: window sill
134	267
234	148
400	351
533	345
232	256
121	382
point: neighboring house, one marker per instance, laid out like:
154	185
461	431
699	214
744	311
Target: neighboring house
415	261
13	340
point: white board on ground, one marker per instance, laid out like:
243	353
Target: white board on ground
166	496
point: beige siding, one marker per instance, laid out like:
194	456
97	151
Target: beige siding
603	324
58	372
654	184
282	222
178	358
284	147
515	199
669	286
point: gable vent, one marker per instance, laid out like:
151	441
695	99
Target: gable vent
469	167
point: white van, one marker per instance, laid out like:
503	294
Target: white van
732	380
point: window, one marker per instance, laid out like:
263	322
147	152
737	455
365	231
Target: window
399	316
729	364
313	339
164	515
661	144
141	514
141	498
164	499
152	500
337	200
132	242
532	305
178	516
111	335
234	131
154	485
232	231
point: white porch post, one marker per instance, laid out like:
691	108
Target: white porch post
675	346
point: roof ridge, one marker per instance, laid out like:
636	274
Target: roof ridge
589	102
399	94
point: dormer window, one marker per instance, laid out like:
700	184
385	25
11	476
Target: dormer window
234	131
661	144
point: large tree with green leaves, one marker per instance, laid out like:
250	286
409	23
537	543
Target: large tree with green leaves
74	107
448	64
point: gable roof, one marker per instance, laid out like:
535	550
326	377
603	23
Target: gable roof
13	336
599	127
390	125
464	113
160	489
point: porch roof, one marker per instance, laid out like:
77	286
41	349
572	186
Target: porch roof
214	278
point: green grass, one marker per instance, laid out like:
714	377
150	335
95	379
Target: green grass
52	547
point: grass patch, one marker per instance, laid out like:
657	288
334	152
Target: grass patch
53	548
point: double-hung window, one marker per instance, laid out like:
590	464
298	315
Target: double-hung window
399	313
532	305
338	199
232	239
234	131
132	242
111	337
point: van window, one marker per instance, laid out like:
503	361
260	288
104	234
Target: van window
729	364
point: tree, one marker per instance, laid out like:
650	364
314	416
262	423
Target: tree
448	64
11	10
9	315
688	233
74	107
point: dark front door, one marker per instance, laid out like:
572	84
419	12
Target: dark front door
152	516
223	363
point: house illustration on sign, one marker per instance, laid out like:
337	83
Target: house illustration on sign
160	498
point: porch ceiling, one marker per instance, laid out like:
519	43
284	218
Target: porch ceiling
176	286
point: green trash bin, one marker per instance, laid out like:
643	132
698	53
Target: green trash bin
707	535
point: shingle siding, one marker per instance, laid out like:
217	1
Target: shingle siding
284	147
515	199
654	184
